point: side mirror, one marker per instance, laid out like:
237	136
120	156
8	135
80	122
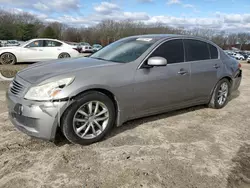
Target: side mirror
157	61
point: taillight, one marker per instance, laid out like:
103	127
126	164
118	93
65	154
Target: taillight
239	65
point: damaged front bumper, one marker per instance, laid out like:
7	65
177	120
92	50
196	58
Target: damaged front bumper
38	119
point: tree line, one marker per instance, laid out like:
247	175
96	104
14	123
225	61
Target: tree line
24	26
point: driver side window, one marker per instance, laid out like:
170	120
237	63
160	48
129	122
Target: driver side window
172	51
37	43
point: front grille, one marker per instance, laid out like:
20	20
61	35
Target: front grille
16	88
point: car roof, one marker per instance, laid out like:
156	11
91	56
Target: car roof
167	36
46	39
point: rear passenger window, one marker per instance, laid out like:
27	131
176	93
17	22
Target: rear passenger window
50	43
213	51
171	50
196	50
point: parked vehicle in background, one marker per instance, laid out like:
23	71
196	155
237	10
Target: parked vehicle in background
86	48
248	59
130	78
3	43
245	55
238	56
37	50
12	43
84	44
230	53
96	47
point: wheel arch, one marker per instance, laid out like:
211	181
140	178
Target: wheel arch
63	53
101	90
223	77
106	92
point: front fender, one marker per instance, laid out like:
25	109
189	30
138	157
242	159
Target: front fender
121	118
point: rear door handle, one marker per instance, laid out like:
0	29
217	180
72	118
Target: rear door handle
216	66
182	72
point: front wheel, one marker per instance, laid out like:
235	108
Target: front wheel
220	95
89	118
8	59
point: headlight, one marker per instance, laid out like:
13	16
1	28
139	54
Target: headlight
48	91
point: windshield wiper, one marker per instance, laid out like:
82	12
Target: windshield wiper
99	58
106	59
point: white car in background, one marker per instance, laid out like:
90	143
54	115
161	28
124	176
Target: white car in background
37	50
248	59
238	56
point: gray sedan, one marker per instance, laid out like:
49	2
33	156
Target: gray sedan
134	77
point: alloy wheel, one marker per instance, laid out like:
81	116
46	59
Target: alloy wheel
91	119
64	55
7	59
223	93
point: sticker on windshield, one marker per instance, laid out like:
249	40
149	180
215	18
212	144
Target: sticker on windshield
144	39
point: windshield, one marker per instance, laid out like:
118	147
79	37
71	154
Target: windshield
125	50
25	43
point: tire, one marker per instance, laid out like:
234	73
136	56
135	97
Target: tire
63	55
214	102
4	61
69	125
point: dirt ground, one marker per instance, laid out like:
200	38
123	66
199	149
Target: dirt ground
191	148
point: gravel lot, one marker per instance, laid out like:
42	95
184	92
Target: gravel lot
195	147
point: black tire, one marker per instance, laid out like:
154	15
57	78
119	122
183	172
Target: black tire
214	98
67	119
63	55
12	56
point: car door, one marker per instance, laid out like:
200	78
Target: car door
33	51
52	49
161	88
205	67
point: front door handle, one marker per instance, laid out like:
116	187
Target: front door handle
216	66
182	72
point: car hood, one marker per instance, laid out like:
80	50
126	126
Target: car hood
41	71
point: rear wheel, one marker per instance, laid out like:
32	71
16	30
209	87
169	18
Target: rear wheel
8	59
63	55
220	95
89	118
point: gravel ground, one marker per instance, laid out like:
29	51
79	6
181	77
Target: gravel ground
195	147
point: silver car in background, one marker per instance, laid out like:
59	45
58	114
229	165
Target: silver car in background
134	77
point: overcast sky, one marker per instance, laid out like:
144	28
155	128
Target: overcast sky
230	15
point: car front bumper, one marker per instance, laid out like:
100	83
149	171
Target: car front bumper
37	119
